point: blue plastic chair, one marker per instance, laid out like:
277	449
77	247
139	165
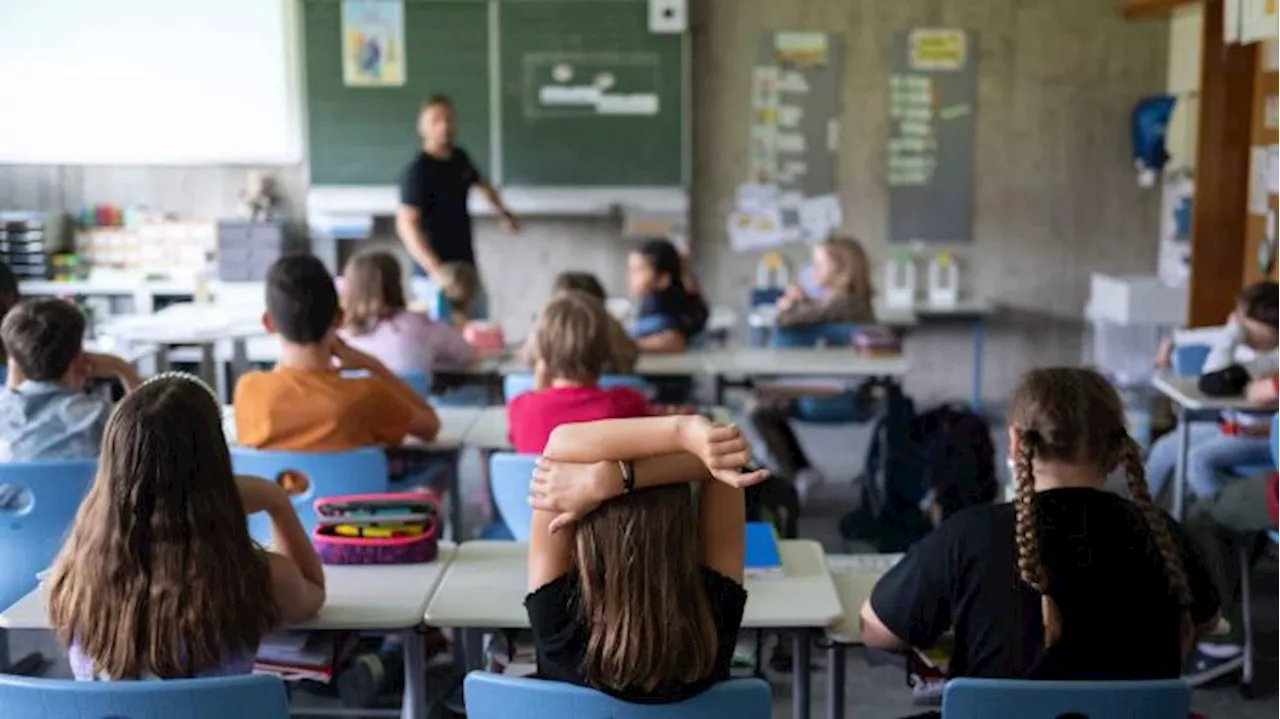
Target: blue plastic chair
509	476
514	385
1188	360
420	382
329	474
43	499
255	696
985	698
38	501
495	696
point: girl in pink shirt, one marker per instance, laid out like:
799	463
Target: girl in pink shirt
378	322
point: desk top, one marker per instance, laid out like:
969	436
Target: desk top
826	362
389	596
1184	391
185	323
489	430
485	587
855	575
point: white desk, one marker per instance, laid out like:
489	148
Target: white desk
489	432
1184	393
485	586
190	324
855	575
388	598
840	362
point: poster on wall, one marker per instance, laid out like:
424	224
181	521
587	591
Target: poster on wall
790	192
373	43
929	154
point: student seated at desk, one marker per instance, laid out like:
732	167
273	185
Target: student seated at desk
1242	510
305	403
158	577
623	352
377	320
1068	582
669	308
841	271
572	346
1249	339
635	589
46	412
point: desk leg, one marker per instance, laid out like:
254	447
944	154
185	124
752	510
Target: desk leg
835	680
720	389
239	359
414	704
975	386
474	649
1180	473
800	676
455	498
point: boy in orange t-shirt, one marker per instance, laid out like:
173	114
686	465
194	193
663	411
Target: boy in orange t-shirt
305	403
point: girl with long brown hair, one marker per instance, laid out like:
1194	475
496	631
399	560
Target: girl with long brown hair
159	578
1068	582
635	587
378	322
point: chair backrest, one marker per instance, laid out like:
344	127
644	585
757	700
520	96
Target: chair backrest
1275	440
420	382
494	696
253	696
40	501
509	476
983	698
1188	360
835	334
514	385
327	474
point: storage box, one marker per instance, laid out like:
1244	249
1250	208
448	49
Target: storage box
1136	301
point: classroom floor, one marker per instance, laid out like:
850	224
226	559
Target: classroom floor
870	692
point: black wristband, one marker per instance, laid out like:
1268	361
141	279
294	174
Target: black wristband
628	475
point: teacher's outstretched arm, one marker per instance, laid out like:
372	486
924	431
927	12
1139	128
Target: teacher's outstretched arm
415	240
508	220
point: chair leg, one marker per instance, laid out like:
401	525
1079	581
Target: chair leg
835	680
1246	609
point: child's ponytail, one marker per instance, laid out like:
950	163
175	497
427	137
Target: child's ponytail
1027	532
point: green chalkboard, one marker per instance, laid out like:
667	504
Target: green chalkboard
366	135
590	97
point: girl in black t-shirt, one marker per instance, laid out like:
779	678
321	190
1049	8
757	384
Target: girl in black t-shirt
1068	582
669	310
635	589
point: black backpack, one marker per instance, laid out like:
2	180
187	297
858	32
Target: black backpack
948	450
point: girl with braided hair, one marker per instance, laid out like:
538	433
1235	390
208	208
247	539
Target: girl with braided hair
1067	582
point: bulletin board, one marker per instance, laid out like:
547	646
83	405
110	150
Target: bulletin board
790	193
929	154
1262	255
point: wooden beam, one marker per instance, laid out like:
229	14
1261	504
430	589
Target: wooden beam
1148	9
1219	211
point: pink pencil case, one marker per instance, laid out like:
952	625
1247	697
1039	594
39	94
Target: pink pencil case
397	528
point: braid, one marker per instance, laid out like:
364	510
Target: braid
1030	565
1158	526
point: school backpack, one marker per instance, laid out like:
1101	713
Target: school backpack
947	450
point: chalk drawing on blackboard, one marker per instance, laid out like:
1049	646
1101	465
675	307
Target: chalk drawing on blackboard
936	49
565	84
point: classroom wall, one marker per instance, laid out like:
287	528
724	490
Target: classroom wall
1055	192
1185	28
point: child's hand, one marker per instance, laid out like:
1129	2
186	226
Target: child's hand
572	490
260	495
1164	355
722	448
350	358
1261	391
103	365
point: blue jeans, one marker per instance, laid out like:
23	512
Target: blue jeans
1211	454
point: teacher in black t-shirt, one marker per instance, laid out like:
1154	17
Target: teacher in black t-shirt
433	221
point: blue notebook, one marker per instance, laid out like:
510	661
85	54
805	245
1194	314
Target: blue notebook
762	558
